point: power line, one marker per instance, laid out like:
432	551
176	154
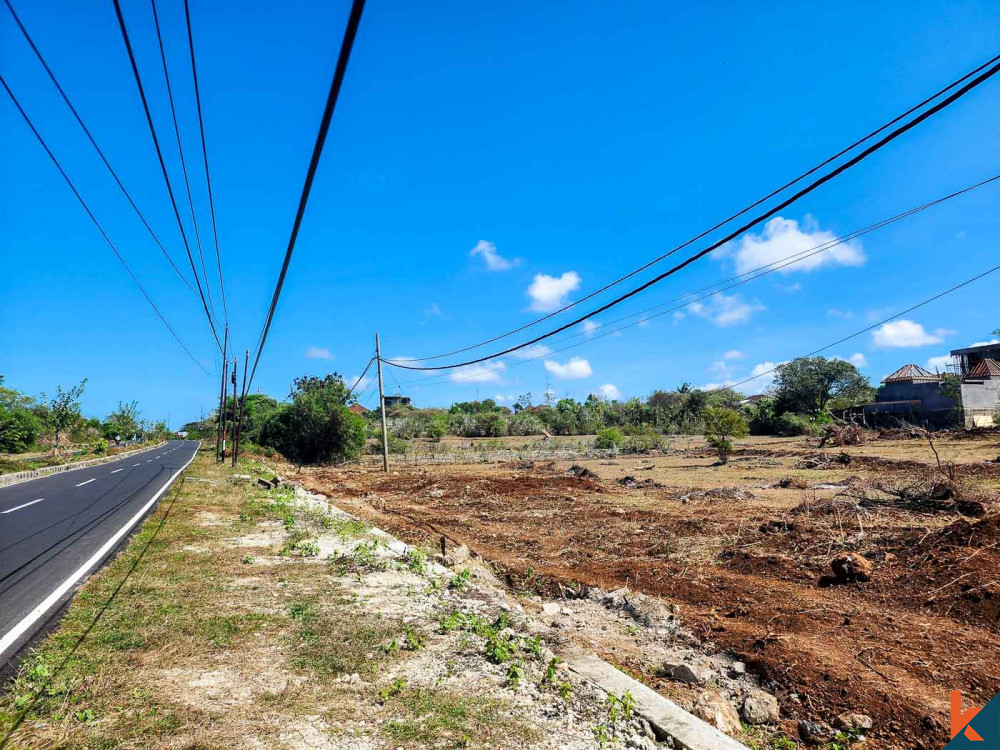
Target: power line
361	377
753	274
97	148
204	153
97	223
722	223
180	152
749	225
163	167
357	6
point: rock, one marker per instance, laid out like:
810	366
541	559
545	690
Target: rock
853	722
815	732
694	673
643	609
737	669
718	712
457	556
551	609
849	567
760	708
436	493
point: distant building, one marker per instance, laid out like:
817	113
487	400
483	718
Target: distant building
911	394
357	409
979	369
749	400
397	400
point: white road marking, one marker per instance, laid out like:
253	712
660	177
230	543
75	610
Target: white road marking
87	482
11	510
149	460
12	635
117	470
139	464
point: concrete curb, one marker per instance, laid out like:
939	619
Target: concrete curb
24	476
668	720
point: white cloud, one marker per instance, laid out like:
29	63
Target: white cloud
726	311
319	352
485	372
784	237
733	354
609	391
501	398
835	313
549	293
434	311
900	334
589	326
986	343
858	359
494	261
359	383
678	317
535	351
790	288
760	378
576	368
939	364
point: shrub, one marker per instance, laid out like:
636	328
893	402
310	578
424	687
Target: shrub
609	437
100	447
437	427
790	425
721	425
525	423
643	442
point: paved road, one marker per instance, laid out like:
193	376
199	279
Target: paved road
56	530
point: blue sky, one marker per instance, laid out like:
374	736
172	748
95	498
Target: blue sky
567	142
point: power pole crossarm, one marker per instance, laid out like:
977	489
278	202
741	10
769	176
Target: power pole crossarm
381	403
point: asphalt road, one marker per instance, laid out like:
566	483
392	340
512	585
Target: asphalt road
57	530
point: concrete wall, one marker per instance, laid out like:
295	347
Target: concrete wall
981	400
929	394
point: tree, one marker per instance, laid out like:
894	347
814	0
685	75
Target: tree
437	427
64	409
951	387
809	384
721	425
19	427
317	426
125	419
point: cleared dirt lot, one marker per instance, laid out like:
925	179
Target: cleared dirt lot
743	549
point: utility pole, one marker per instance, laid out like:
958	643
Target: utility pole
220	434
236	363
381	402
243	398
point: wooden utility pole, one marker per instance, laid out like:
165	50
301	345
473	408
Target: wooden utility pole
243	398
219	429
381	403
236	367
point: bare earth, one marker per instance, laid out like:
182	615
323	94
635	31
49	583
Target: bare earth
744	550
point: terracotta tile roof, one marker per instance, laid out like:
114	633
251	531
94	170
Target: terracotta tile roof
988	368
911	374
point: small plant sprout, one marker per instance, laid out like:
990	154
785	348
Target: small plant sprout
565	690
413	640
391	690
515	673
603	735
416	561
550	670
459	581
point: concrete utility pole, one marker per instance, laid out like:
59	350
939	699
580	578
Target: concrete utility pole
381	403
220	434
243	398
236	367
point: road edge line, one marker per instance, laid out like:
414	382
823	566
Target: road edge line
17	477
12	635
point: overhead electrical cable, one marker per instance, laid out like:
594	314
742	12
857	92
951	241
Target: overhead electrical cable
163	168
725	285
989	73
97	148
357	6
180	153
204	153
361	377
97	224
722	223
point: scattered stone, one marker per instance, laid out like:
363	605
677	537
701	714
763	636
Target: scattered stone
436	493
776	526
853	722
760	708
815	732
641	608
582	472
717	711
849	567
792	483
694	673
737	669
551	609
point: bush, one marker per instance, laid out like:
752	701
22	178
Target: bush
642	442
437	427
609	437
721	425
525	423
100	447
791	425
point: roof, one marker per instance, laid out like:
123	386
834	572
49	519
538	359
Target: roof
911	374
975	349
988	368
357	409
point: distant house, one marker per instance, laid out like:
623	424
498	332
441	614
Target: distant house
357	409
979	369
910	394
397	400
753	399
